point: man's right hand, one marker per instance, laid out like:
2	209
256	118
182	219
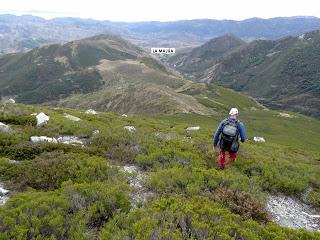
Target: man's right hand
215	149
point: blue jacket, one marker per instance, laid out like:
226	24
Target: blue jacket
241	130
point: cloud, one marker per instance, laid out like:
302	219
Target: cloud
40	13
163	10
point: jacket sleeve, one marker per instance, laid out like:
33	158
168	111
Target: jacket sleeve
217	134
242	132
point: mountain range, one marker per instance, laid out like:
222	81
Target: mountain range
107	73
20	33
282	74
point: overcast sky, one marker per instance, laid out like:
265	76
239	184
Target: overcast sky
161	10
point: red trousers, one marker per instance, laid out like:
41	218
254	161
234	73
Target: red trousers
222	158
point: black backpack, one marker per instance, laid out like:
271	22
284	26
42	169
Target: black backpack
230	131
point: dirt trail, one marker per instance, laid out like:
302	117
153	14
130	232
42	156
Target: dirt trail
292	213
136	177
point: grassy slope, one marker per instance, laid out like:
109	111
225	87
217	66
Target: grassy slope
140	87
180	170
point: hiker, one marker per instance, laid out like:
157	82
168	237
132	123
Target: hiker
229	129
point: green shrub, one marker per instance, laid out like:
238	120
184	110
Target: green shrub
120	147
7	139
168	154
221	187
49	170
18	119
192	218
187	180
29	150
242	203
4	164
276	169
76	211
314	197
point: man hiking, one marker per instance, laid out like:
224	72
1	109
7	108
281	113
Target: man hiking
229	129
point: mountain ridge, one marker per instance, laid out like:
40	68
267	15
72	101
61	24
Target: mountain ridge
281	74
25	32
107	73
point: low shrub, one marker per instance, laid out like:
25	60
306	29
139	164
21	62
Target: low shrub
4	164
120	147
49	170
192	218
18	120
242	203
28	150
314	198
165	154
76	211
7	139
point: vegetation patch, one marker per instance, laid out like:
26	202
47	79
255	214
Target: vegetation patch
192	218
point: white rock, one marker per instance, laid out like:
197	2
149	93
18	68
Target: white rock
259	139
72	118
124	115
73	140
130	128
5	128
36	139
91	111
10	101
95	132
136	179
42	119
193	128
4	195
130	168
3	191
64	139
287	115
33	114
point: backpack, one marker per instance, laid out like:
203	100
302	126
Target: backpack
230	131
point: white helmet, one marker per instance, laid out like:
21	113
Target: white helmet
233	111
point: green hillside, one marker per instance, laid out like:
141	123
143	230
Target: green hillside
201	58
106	73
56	71
281	74
61	191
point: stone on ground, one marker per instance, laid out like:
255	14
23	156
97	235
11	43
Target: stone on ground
42	119
37	139
72	118
193	128
259	139
130	128
91	111
5	128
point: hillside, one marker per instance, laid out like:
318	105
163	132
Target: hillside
281	74
144	177
20	33
106	73
199	59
